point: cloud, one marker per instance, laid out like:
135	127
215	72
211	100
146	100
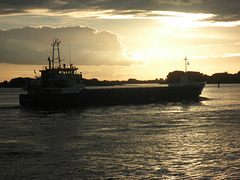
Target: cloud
83	45
222	10
230	7
179	2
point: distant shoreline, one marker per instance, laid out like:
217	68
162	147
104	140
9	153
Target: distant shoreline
1	87
172	77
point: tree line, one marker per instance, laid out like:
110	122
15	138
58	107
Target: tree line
225	77
172	77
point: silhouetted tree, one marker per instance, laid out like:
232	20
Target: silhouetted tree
175	76
4	84
195	76
19	82
132	81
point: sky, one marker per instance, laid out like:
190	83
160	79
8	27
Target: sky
120	39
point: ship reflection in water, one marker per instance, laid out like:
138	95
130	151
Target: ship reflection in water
176	140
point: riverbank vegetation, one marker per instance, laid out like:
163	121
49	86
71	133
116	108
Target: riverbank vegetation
172	77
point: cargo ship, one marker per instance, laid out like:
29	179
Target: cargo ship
62	86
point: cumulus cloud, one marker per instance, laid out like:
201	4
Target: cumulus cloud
87	46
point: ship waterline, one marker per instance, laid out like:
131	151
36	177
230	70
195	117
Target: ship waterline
113	96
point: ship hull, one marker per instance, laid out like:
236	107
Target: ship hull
113	96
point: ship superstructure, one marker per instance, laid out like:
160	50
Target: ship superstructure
57	79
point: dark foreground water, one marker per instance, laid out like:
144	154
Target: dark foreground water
161	141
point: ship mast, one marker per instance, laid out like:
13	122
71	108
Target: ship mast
55	46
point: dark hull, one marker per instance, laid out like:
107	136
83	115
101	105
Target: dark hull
96	97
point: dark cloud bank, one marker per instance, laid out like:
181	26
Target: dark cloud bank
224	10
87	46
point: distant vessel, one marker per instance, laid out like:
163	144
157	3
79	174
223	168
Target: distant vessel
62	86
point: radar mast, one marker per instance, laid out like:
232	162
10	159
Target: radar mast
55	46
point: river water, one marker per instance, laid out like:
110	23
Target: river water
151	141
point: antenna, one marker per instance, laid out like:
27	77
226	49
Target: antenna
69	51
186	63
